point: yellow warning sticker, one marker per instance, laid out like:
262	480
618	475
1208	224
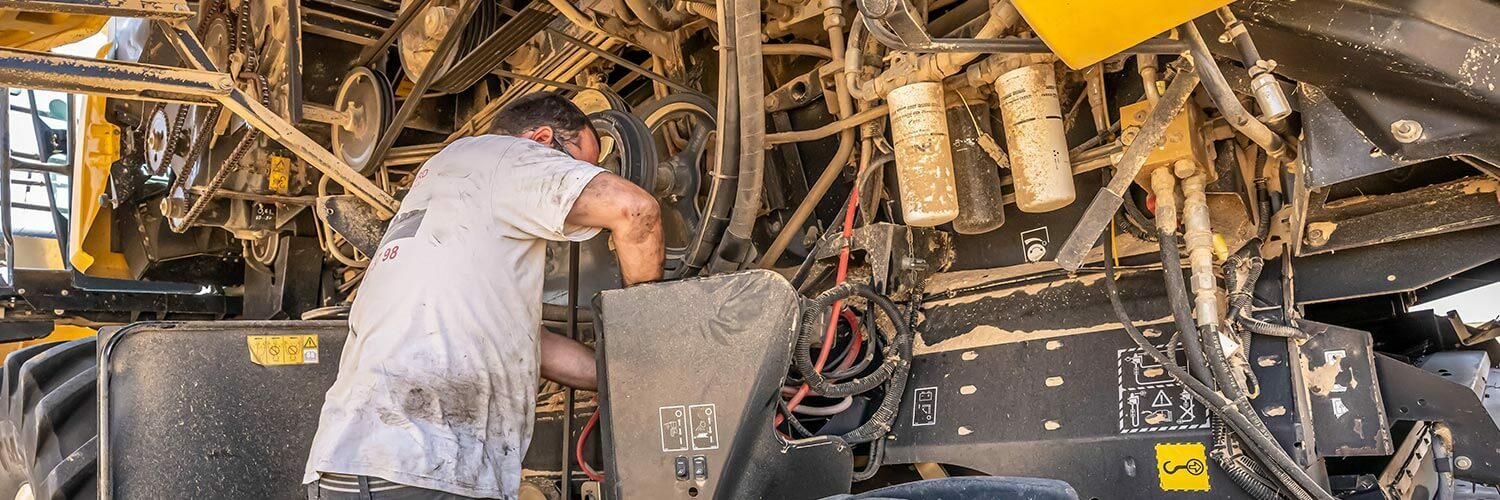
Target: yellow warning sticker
280	176
280	350
1182	466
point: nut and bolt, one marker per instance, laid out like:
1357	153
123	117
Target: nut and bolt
1316	237
914	263
1406	131
1463	463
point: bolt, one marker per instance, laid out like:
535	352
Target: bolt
1316	238
20	291
1463	463
1406	131
1184	168
1127	136
225	83
914	263
64	293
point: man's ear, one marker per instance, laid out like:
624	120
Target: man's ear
542	135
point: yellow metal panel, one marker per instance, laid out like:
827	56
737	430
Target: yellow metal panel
89	227
1084	32
60	333
45	31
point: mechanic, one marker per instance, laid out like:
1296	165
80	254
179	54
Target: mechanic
437	383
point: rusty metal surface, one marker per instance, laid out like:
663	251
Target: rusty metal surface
175	10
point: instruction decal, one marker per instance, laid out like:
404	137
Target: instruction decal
1182	466
705	426
1150	400
282	350
674	425
924	407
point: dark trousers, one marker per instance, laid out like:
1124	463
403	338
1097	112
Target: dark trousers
344	487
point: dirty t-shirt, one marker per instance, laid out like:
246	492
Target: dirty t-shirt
438	377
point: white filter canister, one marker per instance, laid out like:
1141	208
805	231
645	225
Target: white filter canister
1034	134
924	161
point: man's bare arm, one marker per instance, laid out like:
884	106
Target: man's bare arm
568	362
632	216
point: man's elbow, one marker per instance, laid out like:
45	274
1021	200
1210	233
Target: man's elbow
640	214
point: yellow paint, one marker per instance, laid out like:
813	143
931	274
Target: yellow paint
45	31
280	350
1083	32
98	147
279	179
1182	466
60	333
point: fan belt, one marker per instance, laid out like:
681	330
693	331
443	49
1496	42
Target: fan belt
474	64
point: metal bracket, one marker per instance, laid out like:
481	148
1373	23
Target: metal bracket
171	10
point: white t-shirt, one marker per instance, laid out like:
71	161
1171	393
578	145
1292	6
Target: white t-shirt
438	377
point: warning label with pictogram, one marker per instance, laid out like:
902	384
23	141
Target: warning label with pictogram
1150	400
1182	466
281	350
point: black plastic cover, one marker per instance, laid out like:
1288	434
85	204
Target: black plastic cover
187	414
690	370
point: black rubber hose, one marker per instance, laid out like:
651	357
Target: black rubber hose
880	422
1181	305
791	418
813	328
725	177
1258	441
870	349
1240	297
877	457
1262	203
1229	105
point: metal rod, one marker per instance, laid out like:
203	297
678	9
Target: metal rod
425	80
621	61
263	198
174	10
5	193
1001	45
567	423
126	80
384	42
827	130
537	80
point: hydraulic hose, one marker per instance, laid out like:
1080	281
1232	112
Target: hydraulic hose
1164	185
1223	96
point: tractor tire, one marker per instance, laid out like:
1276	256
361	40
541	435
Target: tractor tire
49	433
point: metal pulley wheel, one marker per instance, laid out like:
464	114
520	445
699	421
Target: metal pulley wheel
682	130
366	102
420	40
158	137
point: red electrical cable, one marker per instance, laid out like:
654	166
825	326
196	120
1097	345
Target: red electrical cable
838	306
583	435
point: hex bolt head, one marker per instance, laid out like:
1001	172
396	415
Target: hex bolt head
1406	131
1463	463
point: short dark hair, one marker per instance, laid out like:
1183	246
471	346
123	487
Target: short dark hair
541	109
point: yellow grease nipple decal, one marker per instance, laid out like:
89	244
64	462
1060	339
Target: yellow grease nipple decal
279	350
1182	466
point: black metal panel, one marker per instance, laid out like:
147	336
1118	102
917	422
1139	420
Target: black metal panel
1414	394
1025	237
1338	367
1384	269
1037	379
690	370
186	414
1381	61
